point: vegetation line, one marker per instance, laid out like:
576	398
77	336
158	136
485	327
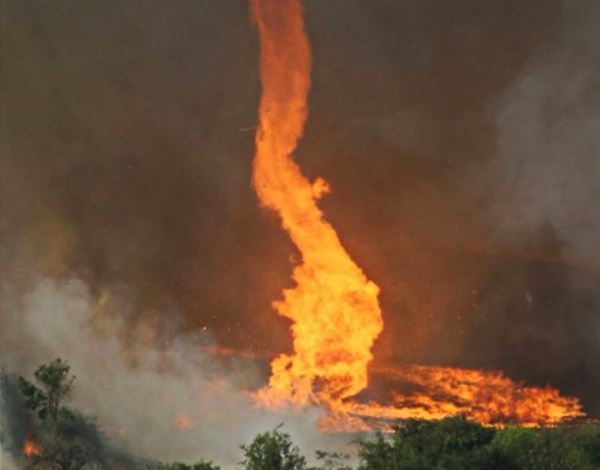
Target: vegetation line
41	432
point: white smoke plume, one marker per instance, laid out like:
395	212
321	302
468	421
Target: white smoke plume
157	394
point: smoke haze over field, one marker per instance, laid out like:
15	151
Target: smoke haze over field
461	141
159	394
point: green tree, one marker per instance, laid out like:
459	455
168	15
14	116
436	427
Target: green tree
273	450
588	438
448	444
68	439
377	453
557	449
54	386
515	443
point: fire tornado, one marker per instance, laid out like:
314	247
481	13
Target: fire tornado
334	307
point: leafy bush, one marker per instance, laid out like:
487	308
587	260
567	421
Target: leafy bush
272	451
451	443
457	444
557	448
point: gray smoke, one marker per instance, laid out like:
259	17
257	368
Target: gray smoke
155	394
546	170
541	320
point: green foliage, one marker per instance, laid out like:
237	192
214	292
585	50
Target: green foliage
446	436
558	448
451	443
68	439
272	451
201	465
377	453
69	453
561	448
55	386
515	444
588	439
457	444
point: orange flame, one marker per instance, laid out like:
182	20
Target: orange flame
487	397
333	307
31	448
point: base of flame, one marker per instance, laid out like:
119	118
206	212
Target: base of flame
487	397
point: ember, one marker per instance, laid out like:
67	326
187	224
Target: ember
31	448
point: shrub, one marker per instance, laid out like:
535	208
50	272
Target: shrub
272	451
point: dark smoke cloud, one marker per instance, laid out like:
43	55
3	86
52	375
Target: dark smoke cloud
543	184
459	139
124	156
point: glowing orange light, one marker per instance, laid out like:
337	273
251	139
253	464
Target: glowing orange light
31	448
334	308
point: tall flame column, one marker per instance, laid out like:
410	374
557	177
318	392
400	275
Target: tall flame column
334	308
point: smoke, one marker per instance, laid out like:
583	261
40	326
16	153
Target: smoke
546	169
459	140
140	166
541	186
156	394
7	461
14	420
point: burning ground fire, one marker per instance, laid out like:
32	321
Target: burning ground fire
487	397
334	307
